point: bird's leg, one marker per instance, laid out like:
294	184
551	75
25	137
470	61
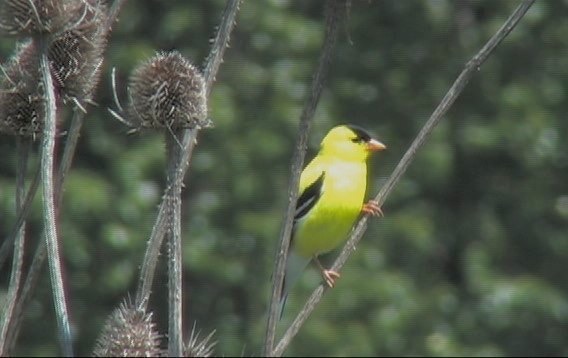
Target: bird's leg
328	275
373	208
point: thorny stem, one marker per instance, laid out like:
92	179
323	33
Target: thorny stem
188	143
40	254
175	337
50	229
459	84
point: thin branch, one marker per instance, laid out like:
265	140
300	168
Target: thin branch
470	69
50	229
24	146
35	269
31	282
68	152
220	43
335	11
188	143
150	260
22	215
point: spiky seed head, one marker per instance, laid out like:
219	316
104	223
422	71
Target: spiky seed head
167	91
76	55
199	347
128	332
21	99
36	17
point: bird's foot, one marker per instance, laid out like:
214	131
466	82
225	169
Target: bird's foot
330	276
373	208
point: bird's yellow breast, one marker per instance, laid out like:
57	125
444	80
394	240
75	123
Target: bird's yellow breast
329	222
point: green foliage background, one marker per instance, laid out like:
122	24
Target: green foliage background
470	258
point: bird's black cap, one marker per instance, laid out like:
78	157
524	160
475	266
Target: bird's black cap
360	132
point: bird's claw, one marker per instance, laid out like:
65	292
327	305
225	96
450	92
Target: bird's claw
330	276
373	208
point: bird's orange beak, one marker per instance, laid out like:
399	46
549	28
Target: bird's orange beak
375	146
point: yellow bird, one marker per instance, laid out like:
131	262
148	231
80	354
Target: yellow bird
331	197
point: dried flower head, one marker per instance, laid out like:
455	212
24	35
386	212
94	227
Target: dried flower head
167	92
21	99
76	55
36	17
128	332
197	347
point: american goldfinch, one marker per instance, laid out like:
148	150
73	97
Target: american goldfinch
331	197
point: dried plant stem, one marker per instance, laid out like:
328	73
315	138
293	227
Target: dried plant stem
24	146
220	43
459	84
335	11
148	268
35	270
175	337
178	168
69	151
40	255
32	279
21	217
50	228
187	144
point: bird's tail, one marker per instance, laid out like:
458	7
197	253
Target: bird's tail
295	266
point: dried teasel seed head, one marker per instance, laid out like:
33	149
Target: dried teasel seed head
76	54
128	332
199	347
35	17
21	99
167	91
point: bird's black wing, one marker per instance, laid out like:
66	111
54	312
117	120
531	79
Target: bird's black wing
309	197
306	201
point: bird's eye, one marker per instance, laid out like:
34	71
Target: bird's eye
356	140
